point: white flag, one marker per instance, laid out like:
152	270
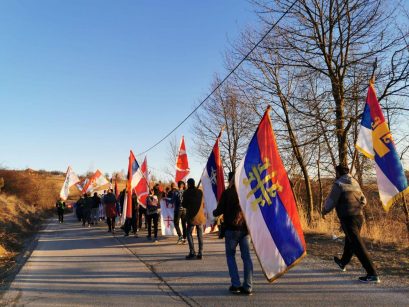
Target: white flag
70	179
166	217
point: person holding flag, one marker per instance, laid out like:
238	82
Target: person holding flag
268	204
236	234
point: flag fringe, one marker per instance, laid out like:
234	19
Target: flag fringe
397	197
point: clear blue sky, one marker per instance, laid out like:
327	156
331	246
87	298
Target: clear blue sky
84	81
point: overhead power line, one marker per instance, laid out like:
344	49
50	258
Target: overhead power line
221	82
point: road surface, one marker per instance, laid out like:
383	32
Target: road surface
76	266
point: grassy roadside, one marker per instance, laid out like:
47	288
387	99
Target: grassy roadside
18	224
391	260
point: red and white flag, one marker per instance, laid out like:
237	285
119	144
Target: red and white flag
70	179
97	180
142	188
182	163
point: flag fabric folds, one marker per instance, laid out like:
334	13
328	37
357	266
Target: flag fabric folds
70	179
213	184
182	163
134	177
166	218
80	185
142	188
268	204
375	141
97	180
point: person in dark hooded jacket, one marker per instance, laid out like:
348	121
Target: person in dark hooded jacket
193	202
348	200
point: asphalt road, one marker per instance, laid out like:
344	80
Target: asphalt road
76	266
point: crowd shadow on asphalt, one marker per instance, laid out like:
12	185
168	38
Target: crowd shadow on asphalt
193	280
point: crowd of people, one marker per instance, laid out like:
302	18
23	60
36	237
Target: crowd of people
346	197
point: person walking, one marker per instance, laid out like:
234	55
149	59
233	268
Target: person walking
236	233
152	214
110	210
132	222
79	208
60	205
179	216
348	200
96	200
86	211
142	214
193	202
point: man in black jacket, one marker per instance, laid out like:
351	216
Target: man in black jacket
236	234
192	201
179	212
348	200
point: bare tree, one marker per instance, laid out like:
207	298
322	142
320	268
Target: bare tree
225	109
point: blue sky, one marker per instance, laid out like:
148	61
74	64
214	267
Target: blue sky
84	81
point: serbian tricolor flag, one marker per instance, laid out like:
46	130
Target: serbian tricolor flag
134	177
70	179
375	141
97	180
182	164
268	204
213	184
142	188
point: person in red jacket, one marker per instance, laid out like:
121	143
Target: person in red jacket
110	210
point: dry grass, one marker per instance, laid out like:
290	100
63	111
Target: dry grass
26	198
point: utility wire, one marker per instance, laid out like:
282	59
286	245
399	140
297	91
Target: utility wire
221	82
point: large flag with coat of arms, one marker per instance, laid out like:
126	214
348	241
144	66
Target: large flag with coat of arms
375	141
268	204
213	184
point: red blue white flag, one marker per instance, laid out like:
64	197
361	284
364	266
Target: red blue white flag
213	183
268	204
134	177
142	188
375	141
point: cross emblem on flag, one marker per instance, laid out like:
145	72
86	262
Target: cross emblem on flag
168	220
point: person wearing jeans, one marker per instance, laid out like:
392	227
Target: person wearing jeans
193	202
241	238
236	234
179	212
